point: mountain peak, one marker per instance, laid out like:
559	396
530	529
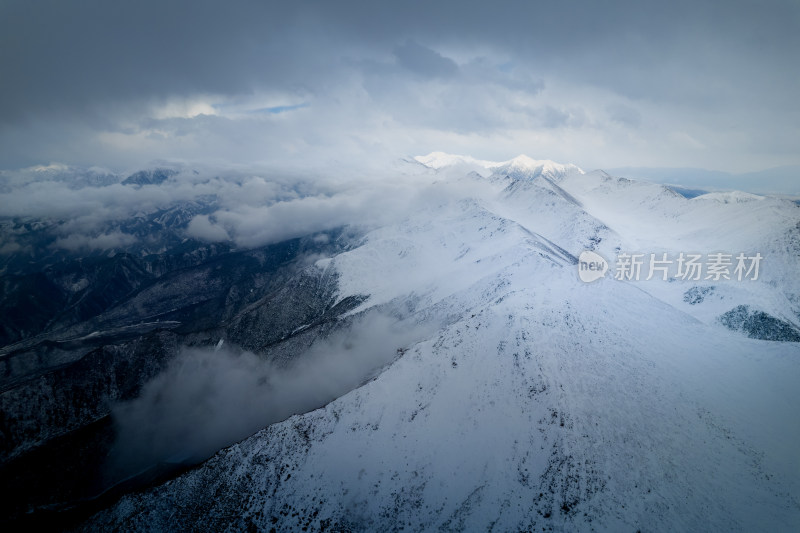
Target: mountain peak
437	160
523	166
523	160
520	166
150	177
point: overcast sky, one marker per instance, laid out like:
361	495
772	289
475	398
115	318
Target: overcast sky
599	84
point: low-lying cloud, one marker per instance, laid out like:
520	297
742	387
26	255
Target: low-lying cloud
104	241
202	228
248	208
210	398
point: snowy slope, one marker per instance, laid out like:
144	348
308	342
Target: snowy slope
539	402
651	218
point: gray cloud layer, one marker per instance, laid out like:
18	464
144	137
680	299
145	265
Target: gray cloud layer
601	84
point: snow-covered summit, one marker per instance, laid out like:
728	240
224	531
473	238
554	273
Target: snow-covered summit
524	166
437	160
521	166
730	197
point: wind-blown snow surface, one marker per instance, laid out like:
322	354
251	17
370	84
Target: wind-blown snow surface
542	403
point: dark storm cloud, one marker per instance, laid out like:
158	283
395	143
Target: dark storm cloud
84	80
61	52
69	56
424	61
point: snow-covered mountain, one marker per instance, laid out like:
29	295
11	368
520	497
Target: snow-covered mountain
521	166
535	401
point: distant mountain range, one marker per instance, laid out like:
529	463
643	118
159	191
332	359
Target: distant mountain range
780	180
